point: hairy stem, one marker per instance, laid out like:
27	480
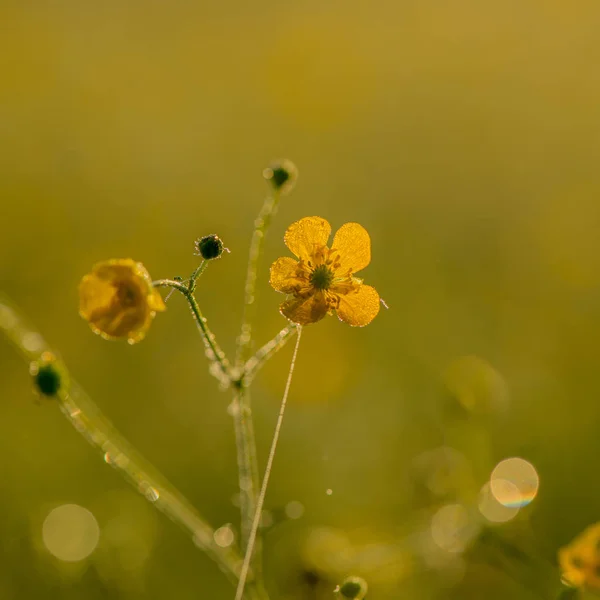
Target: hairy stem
242	415
261	225
263	490
194	278
247	473
213	350
254	364
88	420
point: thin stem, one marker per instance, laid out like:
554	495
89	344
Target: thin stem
254	364
213	350
242	415
88	420
263	490
261	225
247	462
194	278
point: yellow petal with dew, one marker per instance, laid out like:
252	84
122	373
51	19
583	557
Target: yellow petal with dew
353	246
284	275
305	310
306	235
118	300
359	307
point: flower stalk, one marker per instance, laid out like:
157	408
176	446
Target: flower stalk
88	421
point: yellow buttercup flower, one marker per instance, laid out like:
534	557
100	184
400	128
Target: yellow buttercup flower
580	560
322	279
118	300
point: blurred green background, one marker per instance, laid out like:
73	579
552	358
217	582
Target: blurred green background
463	135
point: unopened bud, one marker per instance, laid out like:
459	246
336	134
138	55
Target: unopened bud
353	587
282	175
210	246
48	378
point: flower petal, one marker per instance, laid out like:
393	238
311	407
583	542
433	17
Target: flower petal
118	300
305	235
353	246
305	310
358	308
284	275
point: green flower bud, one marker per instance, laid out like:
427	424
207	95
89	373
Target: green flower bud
210	246
353	587
282	174
48	378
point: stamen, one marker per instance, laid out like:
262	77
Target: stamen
321	278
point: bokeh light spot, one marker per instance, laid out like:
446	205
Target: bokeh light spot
491	509
450	528
294	509
514	482
70	532
224	536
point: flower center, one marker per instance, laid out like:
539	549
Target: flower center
127	294
322	277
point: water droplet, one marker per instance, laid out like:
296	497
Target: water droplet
150	493
233	409
329	491
224	536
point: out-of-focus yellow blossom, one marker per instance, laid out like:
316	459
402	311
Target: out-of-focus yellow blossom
322	280
118	300
580	560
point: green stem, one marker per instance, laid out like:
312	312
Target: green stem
194	278
254	364
253	540
261	225
247	472
88	420
242	415
213	350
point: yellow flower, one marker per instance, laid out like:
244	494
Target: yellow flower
118	300
580	560
323	280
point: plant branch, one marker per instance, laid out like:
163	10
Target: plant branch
254	364
213	350
261	225
88	420
263	490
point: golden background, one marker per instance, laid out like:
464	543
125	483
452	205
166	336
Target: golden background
463	135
